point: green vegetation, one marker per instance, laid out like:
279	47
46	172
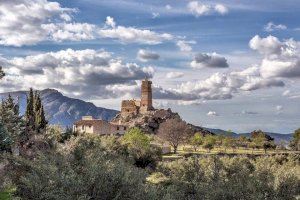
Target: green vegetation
54	163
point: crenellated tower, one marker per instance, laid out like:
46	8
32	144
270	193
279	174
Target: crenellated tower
146	96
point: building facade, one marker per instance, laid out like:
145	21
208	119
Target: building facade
97	126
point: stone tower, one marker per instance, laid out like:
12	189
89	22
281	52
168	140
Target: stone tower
146	96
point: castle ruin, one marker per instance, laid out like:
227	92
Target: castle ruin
133	107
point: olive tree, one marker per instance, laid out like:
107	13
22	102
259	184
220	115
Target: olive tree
175	131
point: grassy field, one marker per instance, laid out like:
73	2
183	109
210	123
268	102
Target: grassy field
184	151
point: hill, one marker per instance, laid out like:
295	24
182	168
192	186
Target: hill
61	109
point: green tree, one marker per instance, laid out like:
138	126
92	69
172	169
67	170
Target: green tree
29	113
196	141
5	139
12	122
295	142
39	114
139	148
262	140
209	142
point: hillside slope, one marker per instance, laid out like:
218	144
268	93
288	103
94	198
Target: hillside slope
63	110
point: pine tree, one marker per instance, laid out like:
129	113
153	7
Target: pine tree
12	121
39	114
5	139
29	114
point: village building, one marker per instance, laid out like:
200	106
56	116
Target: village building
97	126
128	107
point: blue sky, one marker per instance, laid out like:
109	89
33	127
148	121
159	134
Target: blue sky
221	64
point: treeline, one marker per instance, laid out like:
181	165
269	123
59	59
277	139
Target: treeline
176	132
16	131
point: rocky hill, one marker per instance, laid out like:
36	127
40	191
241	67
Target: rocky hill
150	122
63	110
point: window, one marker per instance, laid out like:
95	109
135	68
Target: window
118	128
82	127
124	128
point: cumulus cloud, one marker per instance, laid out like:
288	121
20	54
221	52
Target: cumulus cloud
85	72
225	85
28	22
134	35
274	27
281	58
185	45
110	21
173	75
221	9
212	113
145	55
213	60
200	9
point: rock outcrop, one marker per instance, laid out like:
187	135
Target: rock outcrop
150	121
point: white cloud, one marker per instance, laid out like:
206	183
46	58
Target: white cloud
221	9
286	93
86	72
212	113
168	7
145	55
28	22
281	58
200	9
274	27
173	75
212	60
185	45
134	35
155	15
110	22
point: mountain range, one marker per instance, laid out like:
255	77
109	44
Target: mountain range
61	109
65	111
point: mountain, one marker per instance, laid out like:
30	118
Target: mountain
63	110
278	137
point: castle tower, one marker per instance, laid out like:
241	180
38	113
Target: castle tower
146	96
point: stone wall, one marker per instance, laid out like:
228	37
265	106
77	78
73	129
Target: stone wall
129	107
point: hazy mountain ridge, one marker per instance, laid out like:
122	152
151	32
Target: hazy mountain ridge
61	109
277	136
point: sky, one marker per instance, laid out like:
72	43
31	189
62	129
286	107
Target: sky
233	65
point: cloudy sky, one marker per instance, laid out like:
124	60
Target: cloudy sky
221	64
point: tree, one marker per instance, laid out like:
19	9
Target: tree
174	131
262	140
139	148
209	142
227	142
12	122
2	74
29	113
35	115
196	140
39	114
5	139
295	142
